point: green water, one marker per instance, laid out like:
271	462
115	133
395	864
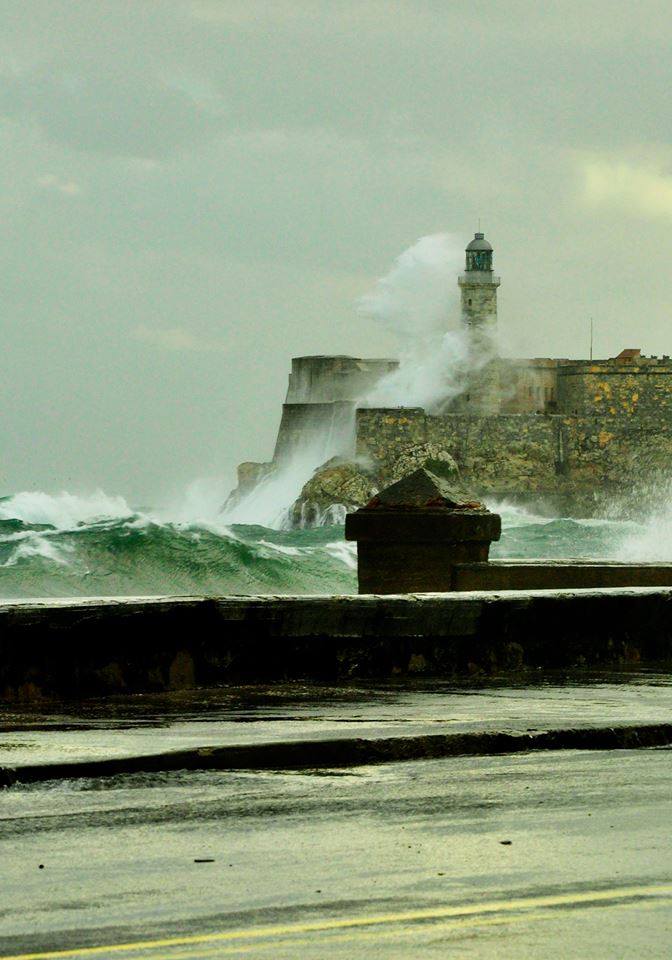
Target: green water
63	545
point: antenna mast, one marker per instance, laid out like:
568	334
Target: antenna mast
591	338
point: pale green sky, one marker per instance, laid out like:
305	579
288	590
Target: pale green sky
194	191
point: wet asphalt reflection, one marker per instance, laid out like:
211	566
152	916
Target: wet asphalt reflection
512	856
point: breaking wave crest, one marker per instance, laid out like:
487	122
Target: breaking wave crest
99	545
64	545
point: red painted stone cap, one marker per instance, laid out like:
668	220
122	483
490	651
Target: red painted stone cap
435	485
428	505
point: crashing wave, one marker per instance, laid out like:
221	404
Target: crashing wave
66	545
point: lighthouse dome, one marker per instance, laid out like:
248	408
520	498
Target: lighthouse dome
479	255
479	243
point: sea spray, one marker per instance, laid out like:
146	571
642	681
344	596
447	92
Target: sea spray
651	540
199	504
419	292
434	372
270	501
63	511
418	301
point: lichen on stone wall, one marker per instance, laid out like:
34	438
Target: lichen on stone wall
582	462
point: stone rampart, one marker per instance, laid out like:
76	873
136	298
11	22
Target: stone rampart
327	426
324	379
617	389
576	462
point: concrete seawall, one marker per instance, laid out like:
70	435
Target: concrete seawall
101	646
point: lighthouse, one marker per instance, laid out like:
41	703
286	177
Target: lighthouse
478	286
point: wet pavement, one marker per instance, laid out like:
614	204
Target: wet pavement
525	856
560	854
145	725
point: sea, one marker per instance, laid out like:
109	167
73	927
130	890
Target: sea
67	545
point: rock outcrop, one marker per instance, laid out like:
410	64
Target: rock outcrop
340	486
334	489
250	474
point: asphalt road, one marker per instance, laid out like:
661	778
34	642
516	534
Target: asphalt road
399	861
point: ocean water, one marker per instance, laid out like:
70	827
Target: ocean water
56	545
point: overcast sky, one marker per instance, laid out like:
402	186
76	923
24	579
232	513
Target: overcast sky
194	191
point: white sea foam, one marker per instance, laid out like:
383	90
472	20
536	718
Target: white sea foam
516	515
269	503
63	511
199	505
37	545
312	516
344	551
282	548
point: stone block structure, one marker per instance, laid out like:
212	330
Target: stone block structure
323	379
412	534
428	533
573	464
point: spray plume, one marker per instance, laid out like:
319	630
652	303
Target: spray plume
418	301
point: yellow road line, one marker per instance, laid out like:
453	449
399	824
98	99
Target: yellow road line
323	926
447	926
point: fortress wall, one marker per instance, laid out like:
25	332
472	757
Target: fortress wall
616	453
327	426
327	379
500	455
529	386
643	388
578	461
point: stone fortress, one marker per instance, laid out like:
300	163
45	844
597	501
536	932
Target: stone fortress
580	437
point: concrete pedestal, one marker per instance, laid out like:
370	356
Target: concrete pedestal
417	551
411	535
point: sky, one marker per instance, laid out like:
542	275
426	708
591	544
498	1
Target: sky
194	191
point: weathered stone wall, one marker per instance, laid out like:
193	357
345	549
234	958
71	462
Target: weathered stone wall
496	453
579	462
95	647
323	379
613	388
529	386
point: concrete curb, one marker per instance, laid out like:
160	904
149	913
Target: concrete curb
315	754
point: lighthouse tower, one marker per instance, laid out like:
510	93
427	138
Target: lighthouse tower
478	286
